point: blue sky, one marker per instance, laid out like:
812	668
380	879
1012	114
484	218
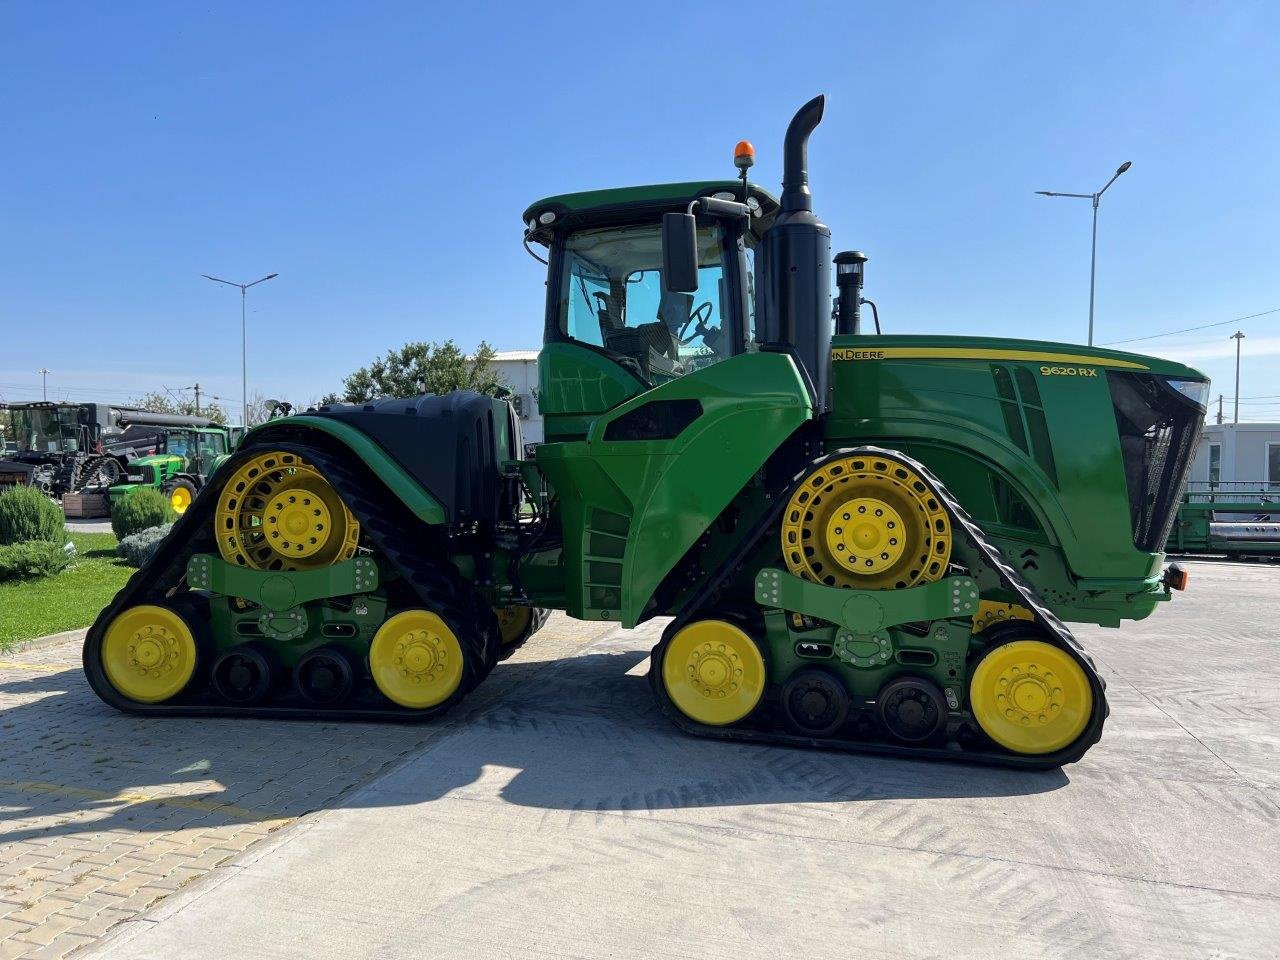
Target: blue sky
378	156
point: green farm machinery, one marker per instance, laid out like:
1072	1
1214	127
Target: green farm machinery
1233	519
185	458
863	542
63	448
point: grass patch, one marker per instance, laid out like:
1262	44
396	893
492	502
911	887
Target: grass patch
65	601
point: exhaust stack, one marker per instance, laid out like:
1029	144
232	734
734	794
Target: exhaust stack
794	267
795	156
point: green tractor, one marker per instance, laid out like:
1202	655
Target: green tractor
185	458
862	542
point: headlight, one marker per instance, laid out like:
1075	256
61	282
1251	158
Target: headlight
1197	391
134	478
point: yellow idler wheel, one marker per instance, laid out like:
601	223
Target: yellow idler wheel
277	512
1030	697
713	672
513	622
416	660
866	522
149	654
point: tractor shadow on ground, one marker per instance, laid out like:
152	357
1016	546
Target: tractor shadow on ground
576	734
586	734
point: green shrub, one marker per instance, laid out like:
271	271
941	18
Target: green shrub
27	514
35	558
137	549
140	510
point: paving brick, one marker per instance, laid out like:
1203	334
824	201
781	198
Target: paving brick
102	921
142	898
48	928
37	912
60	947
90	905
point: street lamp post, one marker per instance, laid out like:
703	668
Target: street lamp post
1093	255
1237	337
44	381
244	338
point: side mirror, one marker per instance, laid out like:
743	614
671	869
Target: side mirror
679	252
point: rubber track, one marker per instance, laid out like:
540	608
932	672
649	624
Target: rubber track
383	521
989	753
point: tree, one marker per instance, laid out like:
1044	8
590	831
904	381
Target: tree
162	403
420	367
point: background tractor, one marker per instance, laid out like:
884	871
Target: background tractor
862	542
64	448
184	459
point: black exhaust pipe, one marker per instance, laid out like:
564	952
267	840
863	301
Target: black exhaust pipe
794	267
795	156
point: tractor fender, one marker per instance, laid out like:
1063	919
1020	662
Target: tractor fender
399	481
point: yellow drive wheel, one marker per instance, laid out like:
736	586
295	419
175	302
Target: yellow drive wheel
513	622
991	613
1030	697
277	512
180	497
866	522
713	672
149	653
416	660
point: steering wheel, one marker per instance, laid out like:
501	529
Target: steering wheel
701	315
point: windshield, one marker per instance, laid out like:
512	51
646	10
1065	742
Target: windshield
612	297
46	430
179	444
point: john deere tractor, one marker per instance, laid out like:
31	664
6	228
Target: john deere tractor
184	459
862	542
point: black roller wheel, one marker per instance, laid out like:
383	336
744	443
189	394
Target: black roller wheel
324	676
245	674
815	703
911	709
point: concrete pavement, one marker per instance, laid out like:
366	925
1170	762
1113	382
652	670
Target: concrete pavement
568	820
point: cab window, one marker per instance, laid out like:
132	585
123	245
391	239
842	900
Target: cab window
612	297
212	444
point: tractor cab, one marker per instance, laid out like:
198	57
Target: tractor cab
200	449
610	315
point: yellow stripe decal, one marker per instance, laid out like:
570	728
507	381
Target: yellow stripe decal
965	353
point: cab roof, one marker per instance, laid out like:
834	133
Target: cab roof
622	204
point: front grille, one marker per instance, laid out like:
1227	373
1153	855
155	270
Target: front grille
1158	429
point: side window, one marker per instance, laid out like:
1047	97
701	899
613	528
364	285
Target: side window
1215	463
212	444
1273	466
590	305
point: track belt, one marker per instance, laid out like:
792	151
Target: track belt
387	525
1055	632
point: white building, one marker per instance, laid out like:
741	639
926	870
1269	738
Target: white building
519	368
1237	453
